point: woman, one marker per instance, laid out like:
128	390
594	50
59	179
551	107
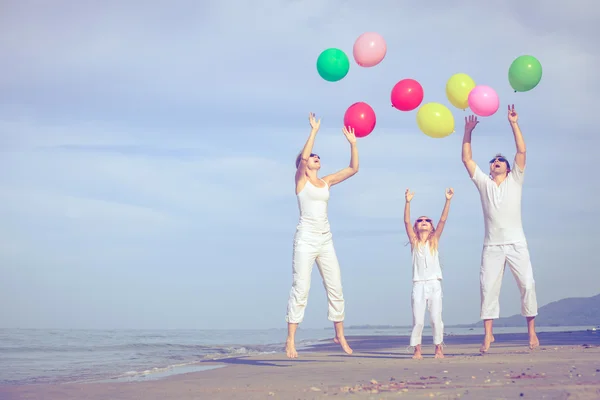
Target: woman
426	274
313	239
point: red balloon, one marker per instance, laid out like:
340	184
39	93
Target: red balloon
407	95
361	117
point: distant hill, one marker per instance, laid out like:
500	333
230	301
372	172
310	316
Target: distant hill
573	311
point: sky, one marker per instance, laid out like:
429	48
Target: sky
147	157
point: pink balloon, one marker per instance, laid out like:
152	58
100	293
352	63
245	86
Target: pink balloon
361	117
369	49
483	101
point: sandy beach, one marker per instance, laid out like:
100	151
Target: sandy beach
566	366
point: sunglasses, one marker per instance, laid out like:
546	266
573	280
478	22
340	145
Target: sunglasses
426	220
501	159
315	155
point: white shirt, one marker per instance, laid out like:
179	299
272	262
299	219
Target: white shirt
312	202
426	265
501	206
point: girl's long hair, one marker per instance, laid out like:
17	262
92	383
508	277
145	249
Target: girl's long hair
431	239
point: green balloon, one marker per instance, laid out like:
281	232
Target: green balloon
525	73
333	64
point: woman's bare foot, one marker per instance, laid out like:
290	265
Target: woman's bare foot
290	349
342	342
487	341
533	341
438	351
417	355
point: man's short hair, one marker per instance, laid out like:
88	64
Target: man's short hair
500	155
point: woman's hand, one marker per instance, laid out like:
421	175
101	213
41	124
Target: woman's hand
314	122
349	133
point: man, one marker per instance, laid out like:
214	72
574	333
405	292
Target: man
504	240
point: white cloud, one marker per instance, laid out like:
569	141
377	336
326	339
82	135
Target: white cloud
110	184
109	216
214	54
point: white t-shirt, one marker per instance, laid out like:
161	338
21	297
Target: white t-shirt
426	265
501	206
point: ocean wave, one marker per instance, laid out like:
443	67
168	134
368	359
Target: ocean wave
137	361
118	347
42	357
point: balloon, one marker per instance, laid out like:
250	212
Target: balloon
361	117
407	95
435	120
458	88
333	64
524	73
369	49
483	101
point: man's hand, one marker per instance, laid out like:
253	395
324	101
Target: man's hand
314	123
349	133
513	117
449	193
470	123
408	195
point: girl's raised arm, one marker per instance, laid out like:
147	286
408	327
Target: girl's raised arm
407	221
440	226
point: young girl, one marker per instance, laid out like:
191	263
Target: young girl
427	274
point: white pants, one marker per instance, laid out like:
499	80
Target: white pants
308	248
493	261
427	295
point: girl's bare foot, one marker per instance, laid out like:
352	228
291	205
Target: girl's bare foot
342	342
417	355
487	341
290	349
438	351
533	341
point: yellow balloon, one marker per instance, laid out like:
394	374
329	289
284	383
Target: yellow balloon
458	88
435	120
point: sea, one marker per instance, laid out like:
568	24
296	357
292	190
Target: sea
35	356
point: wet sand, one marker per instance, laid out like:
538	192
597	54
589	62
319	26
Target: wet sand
566	366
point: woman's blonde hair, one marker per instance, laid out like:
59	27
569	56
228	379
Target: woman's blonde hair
298	158
431	239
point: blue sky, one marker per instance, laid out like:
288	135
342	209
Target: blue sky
147	157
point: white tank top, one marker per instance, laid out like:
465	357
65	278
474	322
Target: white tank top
312	202
426	266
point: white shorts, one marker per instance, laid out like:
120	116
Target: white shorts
493	261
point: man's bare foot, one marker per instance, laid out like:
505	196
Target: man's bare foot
417	355
487	341
438	351
290	349
342	342
533	341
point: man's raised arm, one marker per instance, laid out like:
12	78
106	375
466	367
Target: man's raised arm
467	155
521	157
